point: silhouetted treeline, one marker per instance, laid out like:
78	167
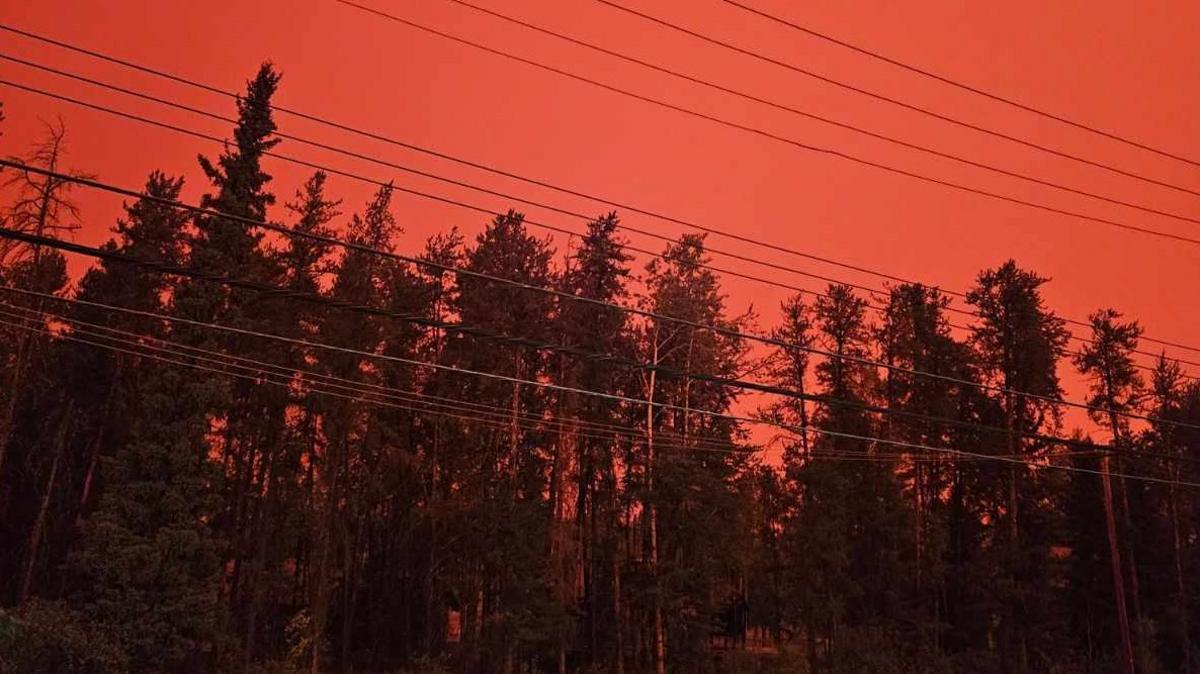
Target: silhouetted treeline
411	472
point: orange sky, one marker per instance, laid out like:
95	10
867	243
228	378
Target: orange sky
1127	67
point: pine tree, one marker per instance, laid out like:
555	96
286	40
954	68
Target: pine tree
781	498
791	368
251	415
146	568
287	505
98	386
388	468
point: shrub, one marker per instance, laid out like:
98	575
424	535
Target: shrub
48	638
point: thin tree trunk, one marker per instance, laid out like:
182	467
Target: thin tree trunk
618	618
1016	624
1117	576
918	543
557	565
349	595
1126	518
39	523
434	610
514	429
14	390
659	645
325	533
1180	586
94	450
267	493
1131	561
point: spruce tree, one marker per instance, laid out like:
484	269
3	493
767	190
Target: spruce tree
98	385
928	377
596	270
506	587
148	567
853	537
1174	438
1019	342
251	415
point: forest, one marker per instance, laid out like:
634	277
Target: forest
270	433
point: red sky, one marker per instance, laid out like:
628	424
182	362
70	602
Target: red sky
1126	67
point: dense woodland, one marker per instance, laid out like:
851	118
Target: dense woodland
330	480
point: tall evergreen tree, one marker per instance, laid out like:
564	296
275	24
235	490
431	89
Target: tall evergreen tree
928	377
596	270
689	492
504	584
251	415
1116	388
854	540
1174	438
1019	343
100	386
148	567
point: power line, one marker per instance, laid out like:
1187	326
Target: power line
263	376
553	228
310	344
340	383
786	427
259	367
960	85
443	268
455	202
389	164
957	454
776	137
524	342
318	345
261	371
614	203
821	118
455	402
472	207
257	375
894	101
